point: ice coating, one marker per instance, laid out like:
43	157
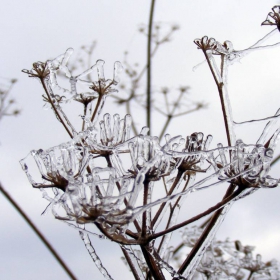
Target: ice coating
95	257
191	269
228	259
136	261
91	192
118	68
228	55
132	188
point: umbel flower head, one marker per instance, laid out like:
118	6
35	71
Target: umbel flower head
228	259
248	167
273	18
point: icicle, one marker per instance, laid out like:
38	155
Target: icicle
127	127
198	65
107	123
100	70
87	72
118	68
66	56
167	237
111	185
94	256
144	131
73	84
116	129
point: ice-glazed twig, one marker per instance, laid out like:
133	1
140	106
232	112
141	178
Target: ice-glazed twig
38	233
133	262
94	256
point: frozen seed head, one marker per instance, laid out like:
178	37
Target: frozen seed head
252	162
39	70
273	18
206	43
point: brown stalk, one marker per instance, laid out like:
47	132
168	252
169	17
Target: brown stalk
38	233
154	269
145	202
171	213
230	194
220	90
176	181
195	218
54	108
149	65
130	264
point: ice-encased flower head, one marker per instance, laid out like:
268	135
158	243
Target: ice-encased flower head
39	70
206	43
273	18
228	259
248	167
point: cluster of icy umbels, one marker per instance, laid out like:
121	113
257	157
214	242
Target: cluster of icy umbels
100	175
89	192
228	260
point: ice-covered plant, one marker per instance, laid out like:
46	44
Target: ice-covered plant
132	187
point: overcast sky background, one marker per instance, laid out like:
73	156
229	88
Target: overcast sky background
33	30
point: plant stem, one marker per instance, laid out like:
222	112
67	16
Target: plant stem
144	216
130	264
229	194
96	107
85	113
220	90
250	276
176	181
149	66
154	269
195	218
38	233
54	108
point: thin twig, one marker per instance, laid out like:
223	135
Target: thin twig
149	65
54	108
230	194
195	218
130	264
38	233
220	89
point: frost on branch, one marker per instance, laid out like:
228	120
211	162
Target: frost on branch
132	187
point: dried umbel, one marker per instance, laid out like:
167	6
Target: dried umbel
7	104
273	18
132	188
226	259
248	167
